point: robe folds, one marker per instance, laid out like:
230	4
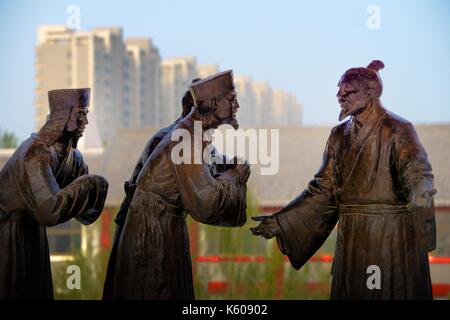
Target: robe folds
39	190
130	187
367	184
153	258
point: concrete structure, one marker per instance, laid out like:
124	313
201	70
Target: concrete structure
177	74
206	70
132	88
124	78
247	101
285	109
263	103
142	85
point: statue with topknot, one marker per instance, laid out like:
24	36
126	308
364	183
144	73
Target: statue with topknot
376	181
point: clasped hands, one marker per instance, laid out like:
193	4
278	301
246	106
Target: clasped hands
420	200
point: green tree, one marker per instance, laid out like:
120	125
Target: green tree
8	140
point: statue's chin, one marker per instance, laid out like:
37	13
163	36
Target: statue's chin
345	113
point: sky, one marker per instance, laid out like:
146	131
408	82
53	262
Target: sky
299	46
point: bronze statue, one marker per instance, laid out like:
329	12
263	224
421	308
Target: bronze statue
45	183
153	259
376	180
130	186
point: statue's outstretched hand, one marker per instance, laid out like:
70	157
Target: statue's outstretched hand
268	228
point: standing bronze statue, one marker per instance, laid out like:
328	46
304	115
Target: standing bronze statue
376	180
130	186
153	259
45	183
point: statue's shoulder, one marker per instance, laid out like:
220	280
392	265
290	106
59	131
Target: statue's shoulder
396	123
341	128
34	150
395	119
165	142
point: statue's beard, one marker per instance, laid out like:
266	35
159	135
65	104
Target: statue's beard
346	112
232	122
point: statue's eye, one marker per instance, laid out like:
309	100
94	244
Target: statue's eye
348	93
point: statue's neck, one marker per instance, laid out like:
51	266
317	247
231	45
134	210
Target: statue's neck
368	109
63	144
207	121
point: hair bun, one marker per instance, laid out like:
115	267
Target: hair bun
376	65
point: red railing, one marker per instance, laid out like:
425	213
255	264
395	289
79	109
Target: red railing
439	289
317	258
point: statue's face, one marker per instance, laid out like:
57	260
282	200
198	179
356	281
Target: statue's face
352	97
227	108
77	122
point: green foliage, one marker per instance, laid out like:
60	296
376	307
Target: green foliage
8	140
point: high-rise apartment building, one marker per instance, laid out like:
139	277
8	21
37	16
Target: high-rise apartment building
123	77
263	103
247	102
177	74
130	85
142	84
285	109
206	70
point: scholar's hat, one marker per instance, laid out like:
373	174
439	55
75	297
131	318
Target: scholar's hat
215	86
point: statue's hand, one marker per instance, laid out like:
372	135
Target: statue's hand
243	170
268	228
421	200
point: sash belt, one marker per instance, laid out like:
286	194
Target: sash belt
372	209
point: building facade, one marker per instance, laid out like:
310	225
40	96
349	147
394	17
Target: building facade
123	76
177	74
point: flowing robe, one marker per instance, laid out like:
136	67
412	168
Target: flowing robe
129	186
39	190
366	184
153	259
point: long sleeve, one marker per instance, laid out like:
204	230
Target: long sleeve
416	176
307	221
88	216
219	201
51	205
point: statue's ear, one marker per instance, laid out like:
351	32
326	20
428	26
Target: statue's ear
370	93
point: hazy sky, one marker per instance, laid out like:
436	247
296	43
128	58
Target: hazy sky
302	47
